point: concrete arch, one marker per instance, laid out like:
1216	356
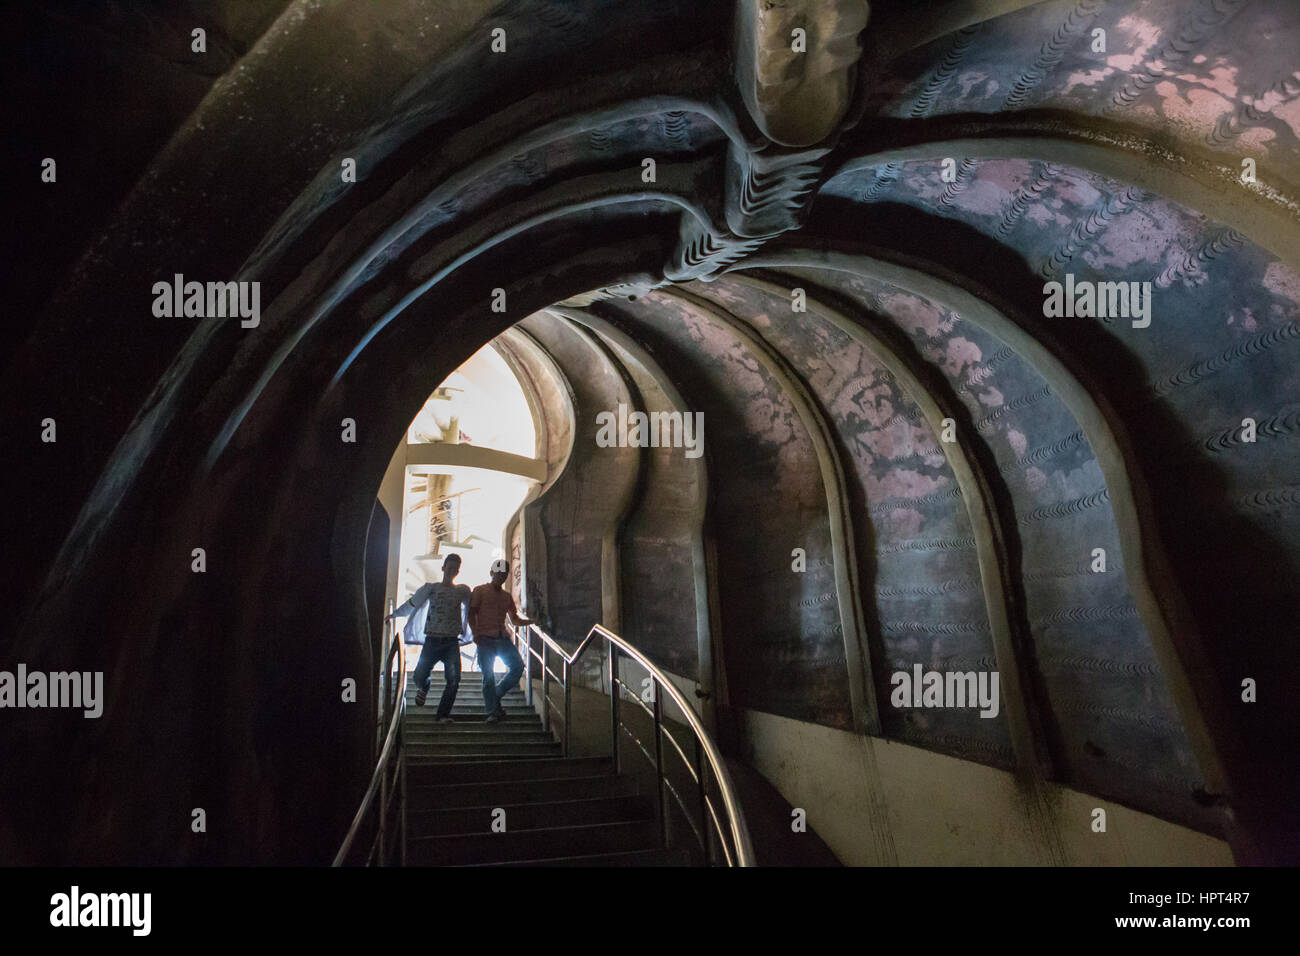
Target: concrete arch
1160	608
1267	215
587	557
545	208
1033	760
538	136
550	396
207	434
862	694
977	496
631	353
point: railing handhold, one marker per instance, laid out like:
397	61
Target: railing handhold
733	837
392	756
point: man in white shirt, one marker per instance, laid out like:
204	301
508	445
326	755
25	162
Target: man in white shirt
448	603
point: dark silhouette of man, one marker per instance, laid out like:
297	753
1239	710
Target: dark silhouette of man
489	606
442	629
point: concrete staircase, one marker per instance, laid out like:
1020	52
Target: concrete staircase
558	811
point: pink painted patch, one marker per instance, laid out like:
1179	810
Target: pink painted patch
1259	137
1282	281
914	313
1018	441
1086	78
1140	35
902	483
1007	174
905	522
1197	108
924	444
961	352
1076	191
983	198
1288	111
1042	216
1221	79
1128	240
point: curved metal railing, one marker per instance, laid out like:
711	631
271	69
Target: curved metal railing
733	837
391	763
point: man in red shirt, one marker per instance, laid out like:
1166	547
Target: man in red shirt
489	606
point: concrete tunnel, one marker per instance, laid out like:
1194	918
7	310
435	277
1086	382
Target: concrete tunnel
992	317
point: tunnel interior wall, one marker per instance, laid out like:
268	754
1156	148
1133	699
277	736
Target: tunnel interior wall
226	683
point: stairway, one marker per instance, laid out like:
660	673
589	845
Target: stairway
558	811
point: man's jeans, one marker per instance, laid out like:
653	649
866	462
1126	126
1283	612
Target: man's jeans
447	650
490	648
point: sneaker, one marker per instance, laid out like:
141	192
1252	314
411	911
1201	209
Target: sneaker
500	712
493	718
420	697
445	720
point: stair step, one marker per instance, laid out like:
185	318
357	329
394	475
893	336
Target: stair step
529	816
483	748
500	792
466	680
430	709
438	760
474	685
432	770
497	733
516	730
472	702
471	697
631	858
484	742
464	686
468	723
421	724
518	845
467	707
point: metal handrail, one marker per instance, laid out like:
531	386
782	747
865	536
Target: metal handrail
744	852
393	752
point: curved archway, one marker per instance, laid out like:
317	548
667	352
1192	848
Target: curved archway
227	440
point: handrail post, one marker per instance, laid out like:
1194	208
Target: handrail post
383	805
390	763
613	703
401	770
705	830
400	703
528	666
546	688
389	632
568	711
389	695
659	767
